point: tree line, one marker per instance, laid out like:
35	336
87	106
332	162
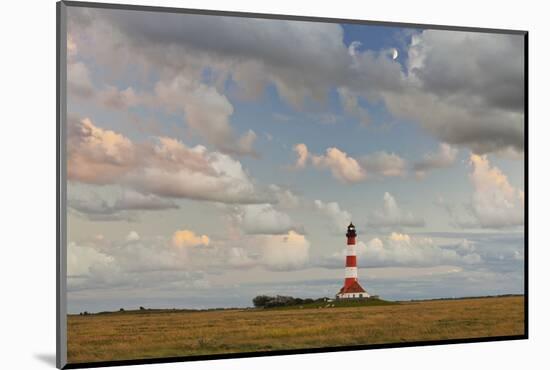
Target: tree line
265	301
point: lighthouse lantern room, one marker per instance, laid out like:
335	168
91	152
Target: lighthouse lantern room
351	289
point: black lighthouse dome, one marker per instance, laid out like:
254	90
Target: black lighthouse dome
351	230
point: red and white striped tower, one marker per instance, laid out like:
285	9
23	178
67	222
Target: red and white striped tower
351	288
351	257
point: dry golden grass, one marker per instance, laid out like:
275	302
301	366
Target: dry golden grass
121	336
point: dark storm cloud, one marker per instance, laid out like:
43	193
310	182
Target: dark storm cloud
484	65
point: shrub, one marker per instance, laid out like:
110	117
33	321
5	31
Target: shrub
277	301
261	300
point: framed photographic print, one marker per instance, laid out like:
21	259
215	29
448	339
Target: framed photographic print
234	184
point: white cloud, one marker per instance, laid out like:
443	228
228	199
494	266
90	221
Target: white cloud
79	81
155	262
206	112
340	219
209	176
303	155
351	105
460	215
343	167
461	98
164	168
398	237
349	170
132	236
187	238
495	202
284	252
82	260
444	158
399	249
384	164
106	264
353	46
391	215
97	155
285	198
262	219
403	250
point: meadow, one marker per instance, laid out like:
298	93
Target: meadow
165	333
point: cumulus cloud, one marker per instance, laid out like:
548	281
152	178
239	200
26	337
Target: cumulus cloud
132	236
206	111
130	262
303	155
187	238
285	252
460	215
463	98
495	202
348	169
444	158
340	219
398	237
79	81
175	170
82	260
285	198
141	262
403	250
384	164
262	219
392	215
164	167
97	155
343	167
237	44
351	105
398	249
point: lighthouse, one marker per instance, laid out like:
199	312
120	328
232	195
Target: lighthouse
351	288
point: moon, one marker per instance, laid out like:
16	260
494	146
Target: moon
395	54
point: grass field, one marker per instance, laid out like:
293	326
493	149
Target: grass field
150	334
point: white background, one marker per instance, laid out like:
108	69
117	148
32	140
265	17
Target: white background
27	134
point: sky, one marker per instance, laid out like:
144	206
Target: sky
212	159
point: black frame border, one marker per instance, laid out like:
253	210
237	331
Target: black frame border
61	111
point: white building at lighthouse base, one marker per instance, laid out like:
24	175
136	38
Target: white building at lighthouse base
352	291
